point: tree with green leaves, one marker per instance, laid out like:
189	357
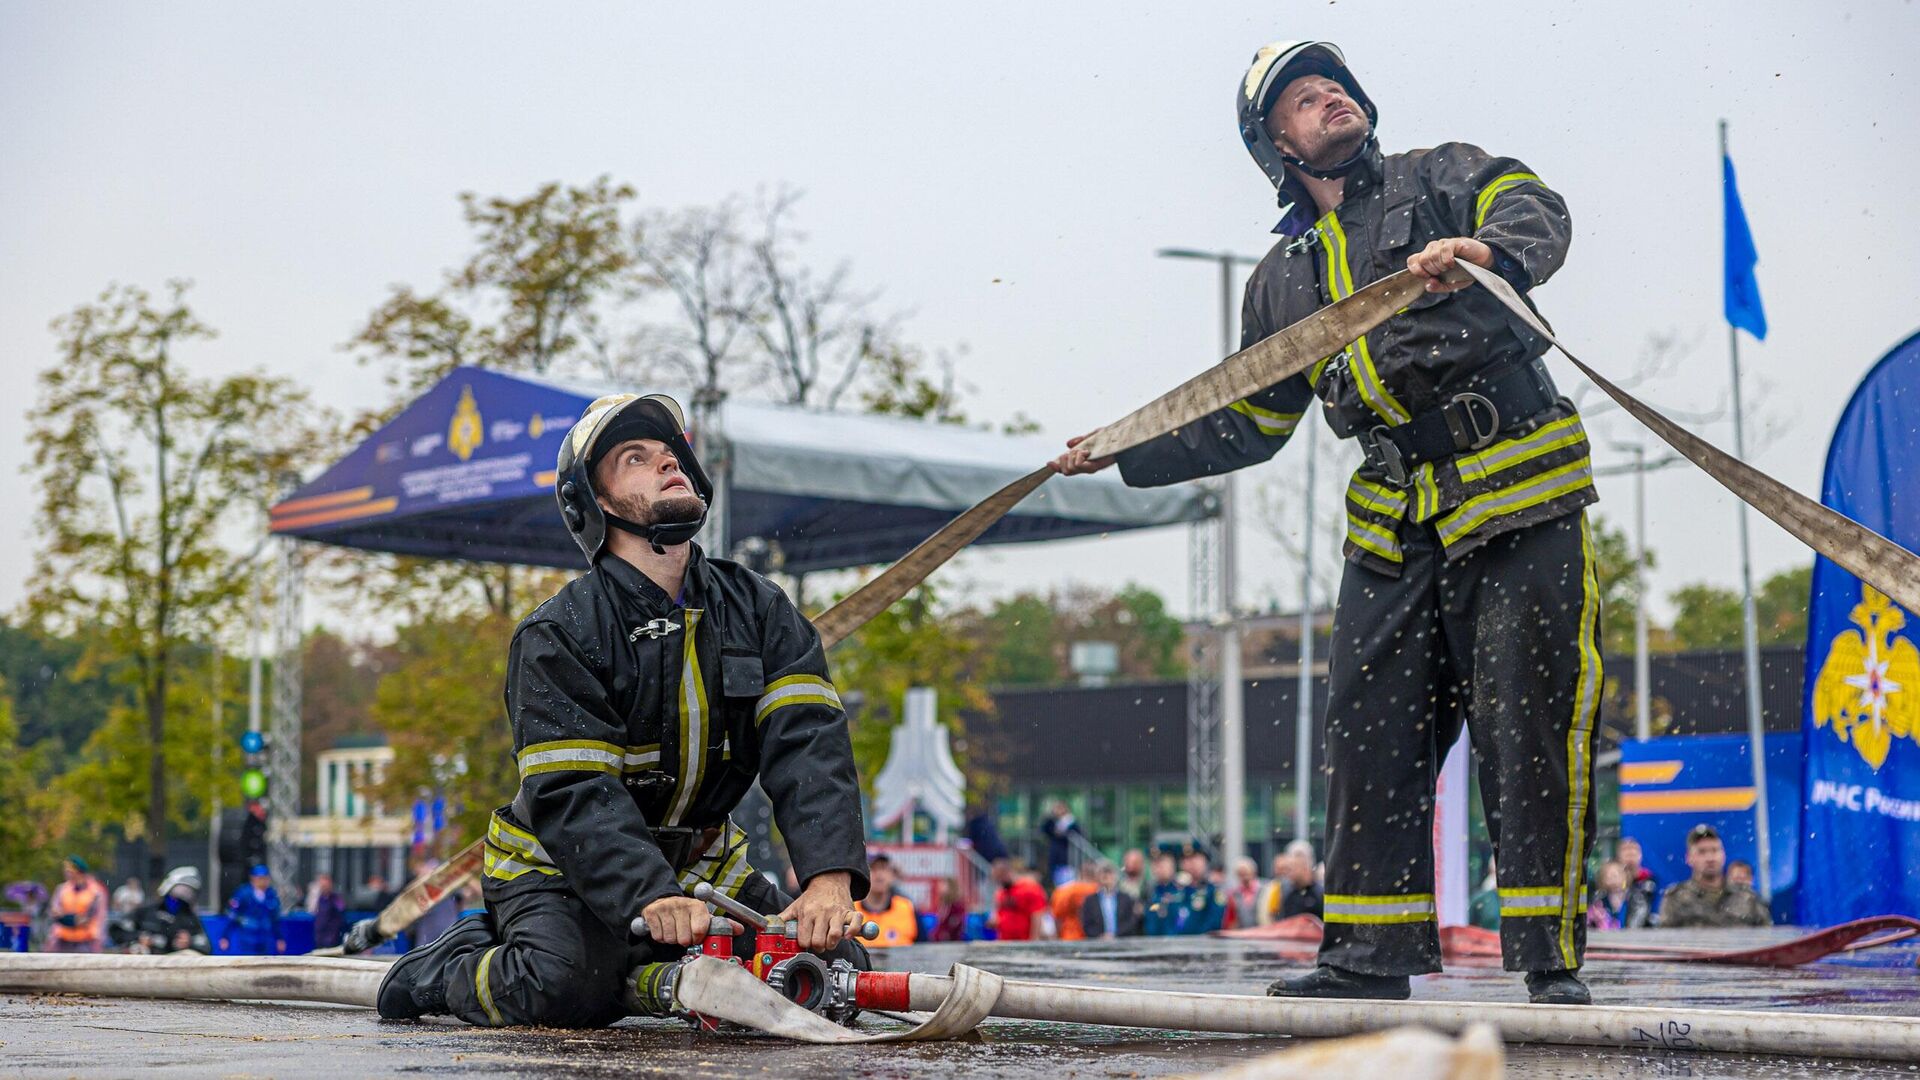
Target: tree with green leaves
1028	638
441	710
1620	588
33	822
146	472
913	643
1710	617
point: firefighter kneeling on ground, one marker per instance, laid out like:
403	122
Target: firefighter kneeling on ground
645	697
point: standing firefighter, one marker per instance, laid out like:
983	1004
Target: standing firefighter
1469	594
645	698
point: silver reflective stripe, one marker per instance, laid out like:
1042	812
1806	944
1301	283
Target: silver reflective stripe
577	755
530	848
693	723
796	689
509	867
642	759
1407	907
1565	432
1543	488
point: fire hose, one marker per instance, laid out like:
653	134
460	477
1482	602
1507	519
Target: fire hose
710	990
1876	560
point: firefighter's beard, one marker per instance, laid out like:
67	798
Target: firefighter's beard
672	510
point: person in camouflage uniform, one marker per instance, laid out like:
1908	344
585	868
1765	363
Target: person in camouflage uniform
1706	898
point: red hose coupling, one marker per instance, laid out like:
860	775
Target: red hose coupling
882	990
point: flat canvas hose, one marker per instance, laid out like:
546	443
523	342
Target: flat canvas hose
1887	566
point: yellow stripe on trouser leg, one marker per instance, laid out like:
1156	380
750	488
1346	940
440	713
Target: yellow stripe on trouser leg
483	988
1379	910
1544	900
1579	744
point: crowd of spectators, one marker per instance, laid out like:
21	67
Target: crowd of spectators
1164	893
1626	895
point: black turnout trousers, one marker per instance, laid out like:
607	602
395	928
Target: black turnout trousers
1504	639
552	962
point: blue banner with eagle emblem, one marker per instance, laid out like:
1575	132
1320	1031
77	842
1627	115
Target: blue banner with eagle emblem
1860	826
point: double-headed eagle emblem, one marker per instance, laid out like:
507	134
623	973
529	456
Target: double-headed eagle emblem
1868	691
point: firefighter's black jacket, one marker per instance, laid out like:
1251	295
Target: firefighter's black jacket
1415	362
632	711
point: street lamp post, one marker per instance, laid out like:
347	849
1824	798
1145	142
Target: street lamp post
1233	751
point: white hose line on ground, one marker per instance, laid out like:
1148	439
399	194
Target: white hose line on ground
727	991
188	977
1405	1053
1885	1038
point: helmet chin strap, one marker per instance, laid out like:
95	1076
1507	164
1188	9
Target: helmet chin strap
1336	171
660	537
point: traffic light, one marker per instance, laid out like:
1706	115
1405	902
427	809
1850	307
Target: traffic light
253	782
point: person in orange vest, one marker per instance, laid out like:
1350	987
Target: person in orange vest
79	910
1068	900
891	911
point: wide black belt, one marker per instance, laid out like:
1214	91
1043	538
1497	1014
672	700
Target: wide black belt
1470	421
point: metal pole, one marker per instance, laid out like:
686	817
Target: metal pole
1303	692
1642	677
213	793
1750	632
1233	749
717	456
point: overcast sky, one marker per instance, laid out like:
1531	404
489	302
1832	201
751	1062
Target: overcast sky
1004	171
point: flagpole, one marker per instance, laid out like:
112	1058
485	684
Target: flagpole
1750	630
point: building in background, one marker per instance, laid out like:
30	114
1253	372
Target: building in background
348	835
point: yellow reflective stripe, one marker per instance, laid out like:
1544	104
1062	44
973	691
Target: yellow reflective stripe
1379	920
1365	378
693	722
501	865
483	987
1370	537
1379	910
1365	501
1532	491
1543	890
1268	421
1506	455
586	755
1426	501
1313	373
1494	190
509	838
795	690
1393	496
1586	702
641	758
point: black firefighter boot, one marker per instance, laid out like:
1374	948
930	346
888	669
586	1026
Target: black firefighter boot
416	984
1327	981
1557	988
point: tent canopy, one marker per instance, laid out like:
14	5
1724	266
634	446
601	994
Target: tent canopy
466	472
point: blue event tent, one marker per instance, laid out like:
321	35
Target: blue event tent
466	472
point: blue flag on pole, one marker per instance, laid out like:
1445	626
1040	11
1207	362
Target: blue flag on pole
1743	292
1860	842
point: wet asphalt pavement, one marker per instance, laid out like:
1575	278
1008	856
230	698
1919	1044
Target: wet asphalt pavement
73	1036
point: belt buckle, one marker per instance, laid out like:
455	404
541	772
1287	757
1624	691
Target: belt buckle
1476	435
1384	454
